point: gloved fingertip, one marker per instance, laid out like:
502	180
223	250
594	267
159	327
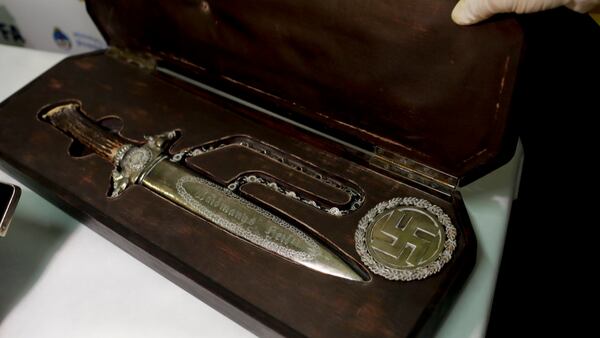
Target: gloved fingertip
461	15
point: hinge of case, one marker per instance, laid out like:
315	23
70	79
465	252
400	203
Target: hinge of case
141	60
413	171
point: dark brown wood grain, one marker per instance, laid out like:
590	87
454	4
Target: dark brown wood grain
398	75
396	78
266	294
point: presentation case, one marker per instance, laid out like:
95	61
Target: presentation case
333	107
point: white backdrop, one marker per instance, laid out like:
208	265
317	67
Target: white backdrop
54	25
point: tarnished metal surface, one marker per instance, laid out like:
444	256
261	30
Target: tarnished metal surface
242	218
147	165
405	239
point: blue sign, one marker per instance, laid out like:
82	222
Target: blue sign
61	39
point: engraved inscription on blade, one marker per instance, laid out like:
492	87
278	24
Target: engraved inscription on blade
149	165
242	218
405	239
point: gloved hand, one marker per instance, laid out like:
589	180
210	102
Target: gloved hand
468	12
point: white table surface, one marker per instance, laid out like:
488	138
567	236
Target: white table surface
60	279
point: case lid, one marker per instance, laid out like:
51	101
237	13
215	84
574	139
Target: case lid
397	76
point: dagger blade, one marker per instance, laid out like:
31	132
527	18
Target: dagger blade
242	218
149	166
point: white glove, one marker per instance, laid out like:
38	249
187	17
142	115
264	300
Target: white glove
468	12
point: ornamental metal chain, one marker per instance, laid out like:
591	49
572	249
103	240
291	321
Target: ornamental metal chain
356	197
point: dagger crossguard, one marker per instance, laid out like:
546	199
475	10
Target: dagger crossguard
144	164
133	159
132	163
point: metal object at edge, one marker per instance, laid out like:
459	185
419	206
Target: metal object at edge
9	197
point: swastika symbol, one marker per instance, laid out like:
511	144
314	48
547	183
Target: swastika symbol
405	237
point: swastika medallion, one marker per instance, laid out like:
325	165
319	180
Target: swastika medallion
405	239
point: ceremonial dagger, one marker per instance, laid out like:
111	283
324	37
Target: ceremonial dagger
149	164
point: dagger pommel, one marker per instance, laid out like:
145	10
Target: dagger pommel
71	120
